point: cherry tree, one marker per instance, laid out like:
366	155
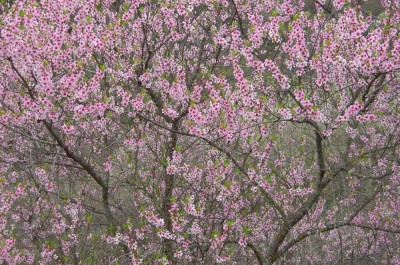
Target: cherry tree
199	132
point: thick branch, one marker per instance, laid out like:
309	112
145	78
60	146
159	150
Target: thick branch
330	227
88	168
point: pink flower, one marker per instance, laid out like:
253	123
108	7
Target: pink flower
107	165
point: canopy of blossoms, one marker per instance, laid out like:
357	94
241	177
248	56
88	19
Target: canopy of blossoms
199	132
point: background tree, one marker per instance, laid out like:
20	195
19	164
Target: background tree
199	132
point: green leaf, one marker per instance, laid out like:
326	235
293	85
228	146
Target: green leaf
247	43
246	229
111	227
214	234
231	222
268	179
282	26
186	200
22	13
227	184
263	98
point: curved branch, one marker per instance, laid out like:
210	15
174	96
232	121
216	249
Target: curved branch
330	227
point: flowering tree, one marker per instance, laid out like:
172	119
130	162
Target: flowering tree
199	132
